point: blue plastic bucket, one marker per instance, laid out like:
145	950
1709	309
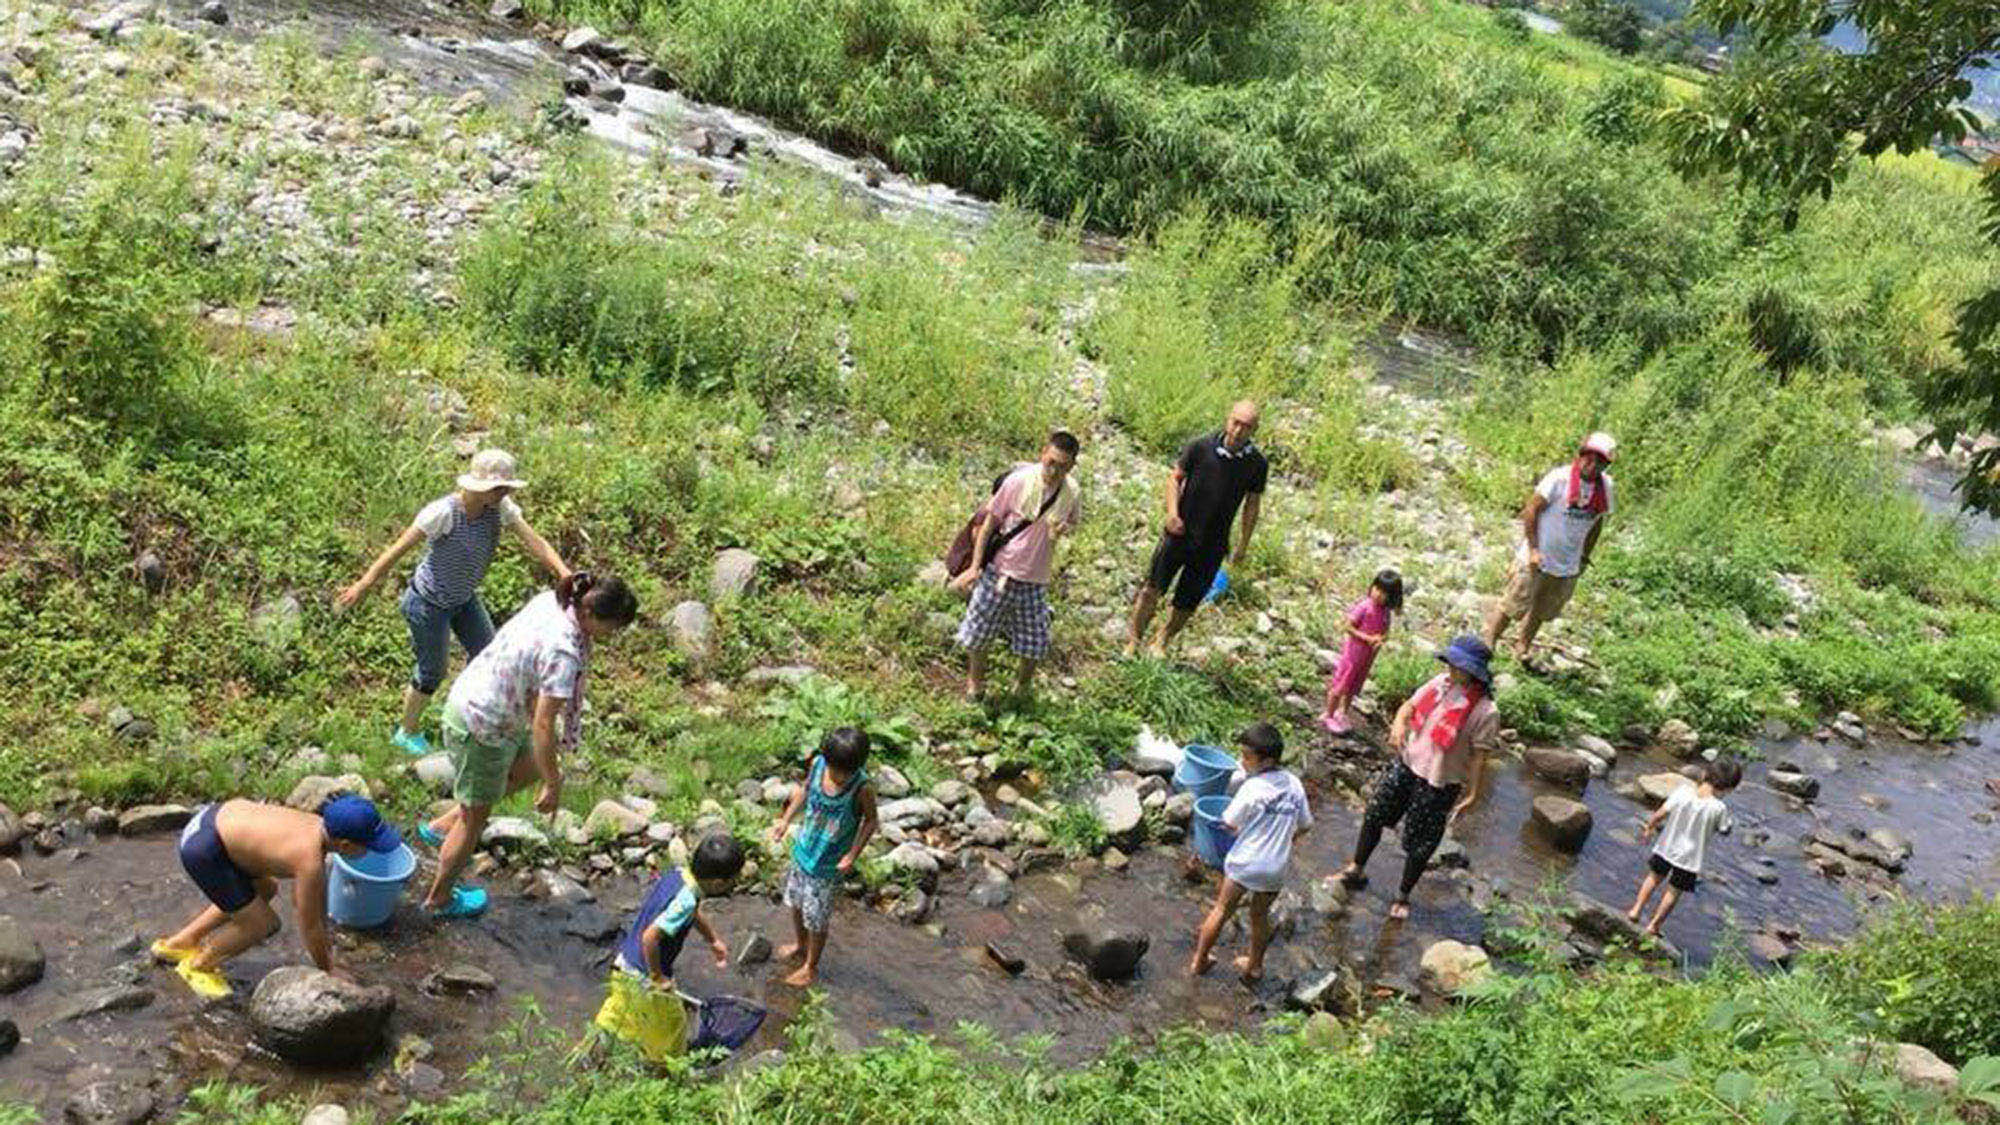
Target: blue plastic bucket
1218	587
1204	770
1212	838
362	893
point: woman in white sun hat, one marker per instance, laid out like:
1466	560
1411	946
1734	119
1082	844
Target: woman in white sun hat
462	529
1559	528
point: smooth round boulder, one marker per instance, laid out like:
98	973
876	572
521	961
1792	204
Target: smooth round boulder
311	1018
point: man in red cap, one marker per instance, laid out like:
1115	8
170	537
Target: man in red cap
1560	526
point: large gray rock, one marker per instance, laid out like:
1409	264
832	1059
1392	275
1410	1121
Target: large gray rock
912	857
1451	967
21	959
1118	806
582	40
1919	1067
911	812
460	980
1803	786
1566	823
513	832
312	1018
1678	739
1657	787
108	1103
1107	952
435	772
692	627
105	998
111	21
734	574
609	818
1330	991
11	830
1597	748
889	781
315	790
152	818
1559	767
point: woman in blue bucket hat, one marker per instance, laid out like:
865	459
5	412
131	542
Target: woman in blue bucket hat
1442	736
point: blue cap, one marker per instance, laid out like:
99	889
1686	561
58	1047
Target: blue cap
1470	655
354	818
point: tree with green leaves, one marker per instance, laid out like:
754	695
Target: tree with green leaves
1792	116
1611	23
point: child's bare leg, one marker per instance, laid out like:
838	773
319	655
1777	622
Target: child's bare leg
200	926
458	844
1226	900
808	972
797	949
1667	902
1024	678
243	929
414	702
1252	963
442	825
1646	888
975	674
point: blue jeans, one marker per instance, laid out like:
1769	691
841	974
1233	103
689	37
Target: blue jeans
431	627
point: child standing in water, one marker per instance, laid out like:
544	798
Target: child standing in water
461	531
1691	814
1367	627
839	806
1268	813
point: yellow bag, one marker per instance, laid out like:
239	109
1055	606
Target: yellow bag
653	1020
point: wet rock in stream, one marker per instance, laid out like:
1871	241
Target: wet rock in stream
1566	823
108	1103
311	1018
1108	953
21	959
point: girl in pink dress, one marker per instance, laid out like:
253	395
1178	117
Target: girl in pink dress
1367	626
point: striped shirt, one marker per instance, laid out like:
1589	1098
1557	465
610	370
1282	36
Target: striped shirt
461	548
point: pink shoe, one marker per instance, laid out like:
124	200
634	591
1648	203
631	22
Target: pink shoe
1335	724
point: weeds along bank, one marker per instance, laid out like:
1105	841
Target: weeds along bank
259	296
1815	1045
1469	176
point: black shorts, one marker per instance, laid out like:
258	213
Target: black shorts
1196	565
228	886
1679	878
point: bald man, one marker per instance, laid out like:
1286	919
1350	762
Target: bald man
1217	474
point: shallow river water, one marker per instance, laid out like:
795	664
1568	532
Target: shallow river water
88	909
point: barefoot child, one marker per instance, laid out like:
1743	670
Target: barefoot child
839	806
236	851
1367	627
1692	814
1267	814
656	1021
461	531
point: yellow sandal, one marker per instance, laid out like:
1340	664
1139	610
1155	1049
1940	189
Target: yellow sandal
206	983
171	955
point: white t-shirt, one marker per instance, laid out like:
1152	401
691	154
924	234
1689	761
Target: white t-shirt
1563	529
1691	820
434	518
1268	809
539	651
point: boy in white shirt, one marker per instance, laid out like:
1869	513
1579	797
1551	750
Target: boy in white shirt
1692	814
1267	814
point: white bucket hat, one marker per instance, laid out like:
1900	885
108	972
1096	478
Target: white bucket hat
1602	444
491	469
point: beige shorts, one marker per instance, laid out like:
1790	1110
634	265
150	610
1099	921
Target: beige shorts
1531	592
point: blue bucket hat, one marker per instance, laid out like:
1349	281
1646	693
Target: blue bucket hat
354	818
1470	655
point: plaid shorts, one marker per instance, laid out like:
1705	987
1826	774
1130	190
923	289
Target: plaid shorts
811	896
1019	613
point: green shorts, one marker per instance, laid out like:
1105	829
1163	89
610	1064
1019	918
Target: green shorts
482	768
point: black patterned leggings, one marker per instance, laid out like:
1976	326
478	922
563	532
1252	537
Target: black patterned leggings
1422	807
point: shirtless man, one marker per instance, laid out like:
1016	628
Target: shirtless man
236	852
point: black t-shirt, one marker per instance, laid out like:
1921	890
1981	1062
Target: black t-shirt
1214	482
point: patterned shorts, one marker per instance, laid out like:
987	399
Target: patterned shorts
811	896
1019	613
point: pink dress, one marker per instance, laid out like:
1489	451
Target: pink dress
1356	657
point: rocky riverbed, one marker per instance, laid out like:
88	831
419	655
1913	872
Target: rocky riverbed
987	925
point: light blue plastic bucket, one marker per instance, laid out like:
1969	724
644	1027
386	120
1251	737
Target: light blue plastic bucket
1204	770
1212	838
362	893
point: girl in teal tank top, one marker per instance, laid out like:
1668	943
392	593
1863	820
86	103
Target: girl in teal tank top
827	830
